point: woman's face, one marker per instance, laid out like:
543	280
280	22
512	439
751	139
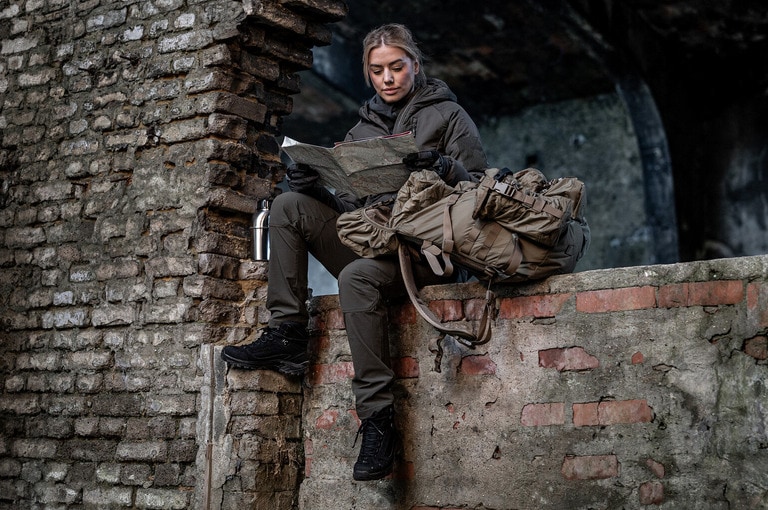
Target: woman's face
392	72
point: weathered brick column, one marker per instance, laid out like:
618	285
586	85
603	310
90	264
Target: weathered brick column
137	138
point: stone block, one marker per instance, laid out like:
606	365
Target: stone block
186	41
166	499
114	315
156	451
106	497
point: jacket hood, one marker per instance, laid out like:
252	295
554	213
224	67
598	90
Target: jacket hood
435	91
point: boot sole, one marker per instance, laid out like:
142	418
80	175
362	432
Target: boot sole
283	366
375	475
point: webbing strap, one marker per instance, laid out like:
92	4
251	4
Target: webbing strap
472	236
448	224
462	334
516	259
538	204
439	259
492	231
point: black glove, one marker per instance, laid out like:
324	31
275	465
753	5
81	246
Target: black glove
430	159
301	178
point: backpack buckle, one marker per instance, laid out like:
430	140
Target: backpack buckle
504	188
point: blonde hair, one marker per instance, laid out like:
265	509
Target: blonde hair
397	35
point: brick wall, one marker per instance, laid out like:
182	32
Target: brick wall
136	139
604	389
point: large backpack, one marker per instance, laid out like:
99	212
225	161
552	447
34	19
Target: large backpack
512	226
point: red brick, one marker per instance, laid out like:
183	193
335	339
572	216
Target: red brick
473	308
615	300
406	367
729	292
715	293
331	373
543	415
327	420
590	467
567	359
757	347
585	415
753	295
657	468
652	493
611	412
477	365
335	319
624	411
448	309
638	358
402	314
532	306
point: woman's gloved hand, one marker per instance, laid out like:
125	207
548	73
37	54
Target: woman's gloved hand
430	159
301	178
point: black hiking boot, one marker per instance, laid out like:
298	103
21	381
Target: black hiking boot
283	348
377	451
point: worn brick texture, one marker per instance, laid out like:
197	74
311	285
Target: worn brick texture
622	388
136	140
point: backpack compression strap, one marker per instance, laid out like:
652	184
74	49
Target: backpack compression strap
439	258
463	335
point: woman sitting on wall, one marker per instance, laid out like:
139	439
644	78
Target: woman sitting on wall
303	221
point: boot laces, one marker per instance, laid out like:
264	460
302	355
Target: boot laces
268	336
372	437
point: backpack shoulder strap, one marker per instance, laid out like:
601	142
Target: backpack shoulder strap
462	334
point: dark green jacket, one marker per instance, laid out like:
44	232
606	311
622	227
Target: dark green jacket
437	122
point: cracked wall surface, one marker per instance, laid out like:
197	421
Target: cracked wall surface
603	389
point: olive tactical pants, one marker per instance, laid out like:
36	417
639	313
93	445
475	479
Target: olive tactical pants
298	225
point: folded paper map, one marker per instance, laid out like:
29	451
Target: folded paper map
361	167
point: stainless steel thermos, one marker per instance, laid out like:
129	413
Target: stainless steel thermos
260	231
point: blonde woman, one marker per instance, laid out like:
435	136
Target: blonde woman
303	221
